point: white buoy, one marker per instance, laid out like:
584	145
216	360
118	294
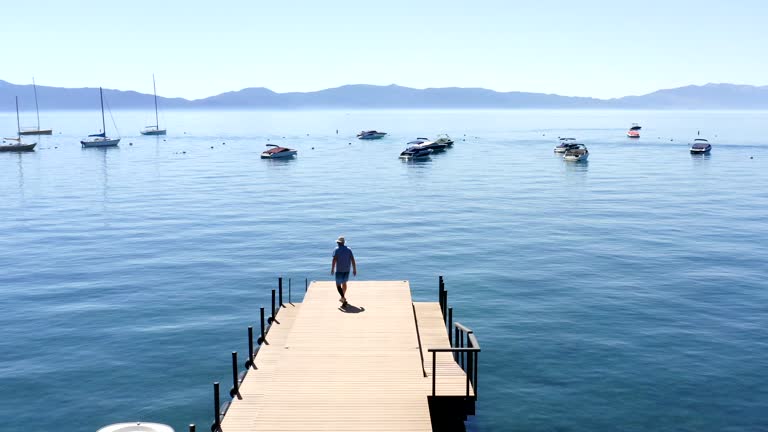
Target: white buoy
136	427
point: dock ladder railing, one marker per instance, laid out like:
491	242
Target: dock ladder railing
465	351
465	347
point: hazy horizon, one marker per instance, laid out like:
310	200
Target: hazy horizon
369	85
588	49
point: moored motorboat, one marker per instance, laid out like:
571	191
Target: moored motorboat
415	152
700	146
371	135
563	145
428	144
634	131
444	139
576	153
277	152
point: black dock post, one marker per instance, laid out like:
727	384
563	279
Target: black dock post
450	322
470	369
216	408
192	427
445	305
306	284
235	388
289	291
441	287
456	343
249	362
261	339
280	290
271	319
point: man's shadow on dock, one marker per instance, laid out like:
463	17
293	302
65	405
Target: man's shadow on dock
350	308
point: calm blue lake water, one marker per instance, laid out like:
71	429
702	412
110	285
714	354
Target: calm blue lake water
627	293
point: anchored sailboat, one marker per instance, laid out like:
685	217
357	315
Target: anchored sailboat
35	130
100	139
19	146
154	129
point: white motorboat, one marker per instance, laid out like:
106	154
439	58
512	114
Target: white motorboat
428	144
155	128
700	146
563	145
100	139
136	427
371	135
277	152
634	131
576	153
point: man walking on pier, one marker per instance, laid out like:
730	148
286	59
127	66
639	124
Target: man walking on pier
342	259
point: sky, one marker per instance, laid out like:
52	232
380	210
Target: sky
198	48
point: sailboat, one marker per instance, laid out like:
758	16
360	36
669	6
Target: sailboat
36	130
154	129
20	146
100	139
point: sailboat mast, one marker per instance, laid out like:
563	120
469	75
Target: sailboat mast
154	89
18	124
37	110
103	125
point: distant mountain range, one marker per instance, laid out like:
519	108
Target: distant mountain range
710	96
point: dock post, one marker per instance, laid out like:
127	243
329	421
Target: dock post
261	339
450	322
289	291
456	343
192	427
272	317
445	306
306	284
249	362
441	287
280	291
235	390
474	381
470	369
216	408
434	371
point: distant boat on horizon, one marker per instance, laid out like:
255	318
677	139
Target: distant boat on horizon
100	139
371	135
634	131
154	129
20	147
36	130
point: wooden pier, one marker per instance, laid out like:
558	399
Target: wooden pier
382	363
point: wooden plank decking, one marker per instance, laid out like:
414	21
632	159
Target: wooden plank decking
357	369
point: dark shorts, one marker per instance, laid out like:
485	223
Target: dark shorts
342	277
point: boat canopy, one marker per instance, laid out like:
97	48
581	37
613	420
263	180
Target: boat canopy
700	145
102	135
275	149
